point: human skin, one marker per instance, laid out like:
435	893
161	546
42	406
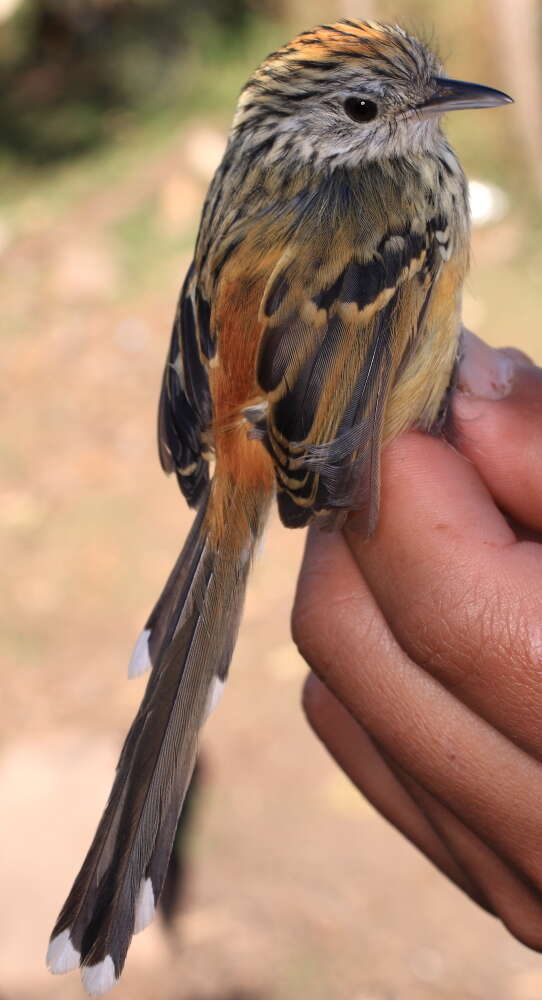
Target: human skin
425	641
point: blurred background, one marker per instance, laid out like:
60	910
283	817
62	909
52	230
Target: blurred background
113	117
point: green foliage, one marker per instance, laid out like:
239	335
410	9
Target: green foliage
69	68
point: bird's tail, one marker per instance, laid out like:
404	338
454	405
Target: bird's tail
189	640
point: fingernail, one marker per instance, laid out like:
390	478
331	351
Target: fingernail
484	372
519	357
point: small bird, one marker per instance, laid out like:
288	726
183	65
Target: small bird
319	319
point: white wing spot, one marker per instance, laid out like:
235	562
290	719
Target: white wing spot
99	978
141	658
144	908
61	955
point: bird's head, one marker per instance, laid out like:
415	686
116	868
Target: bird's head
350	92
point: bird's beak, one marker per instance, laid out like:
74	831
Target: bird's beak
453	95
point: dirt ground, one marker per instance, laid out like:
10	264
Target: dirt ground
298	889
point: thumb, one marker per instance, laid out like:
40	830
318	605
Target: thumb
497	419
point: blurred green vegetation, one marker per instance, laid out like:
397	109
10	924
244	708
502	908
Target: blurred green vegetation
73	73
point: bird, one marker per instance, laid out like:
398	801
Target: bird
319	319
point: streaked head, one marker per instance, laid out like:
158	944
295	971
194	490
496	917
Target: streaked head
349	92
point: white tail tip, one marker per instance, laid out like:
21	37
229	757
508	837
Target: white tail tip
99	978
61	955
141	658
144	908
214	696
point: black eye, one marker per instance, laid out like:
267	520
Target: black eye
360	110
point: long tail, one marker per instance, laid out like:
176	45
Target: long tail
189	640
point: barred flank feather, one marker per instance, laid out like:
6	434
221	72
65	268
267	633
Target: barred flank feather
197	617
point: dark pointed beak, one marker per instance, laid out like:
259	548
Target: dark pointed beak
454	95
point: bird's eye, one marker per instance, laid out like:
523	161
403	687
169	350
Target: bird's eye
360	110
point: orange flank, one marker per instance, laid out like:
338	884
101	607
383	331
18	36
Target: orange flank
234	387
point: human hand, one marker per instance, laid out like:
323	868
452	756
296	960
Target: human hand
426	641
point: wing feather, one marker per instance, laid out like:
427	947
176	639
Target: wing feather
185	408
332	335
330	352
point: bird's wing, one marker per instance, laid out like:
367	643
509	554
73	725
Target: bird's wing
336	333
185	408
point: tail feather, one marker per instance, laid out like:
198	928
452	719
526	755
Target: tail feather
164	618
192	632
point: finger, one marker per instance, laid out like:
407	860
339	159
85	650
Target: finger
506	892
436	831
497	419
361	760
524	534
463	599
455	755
